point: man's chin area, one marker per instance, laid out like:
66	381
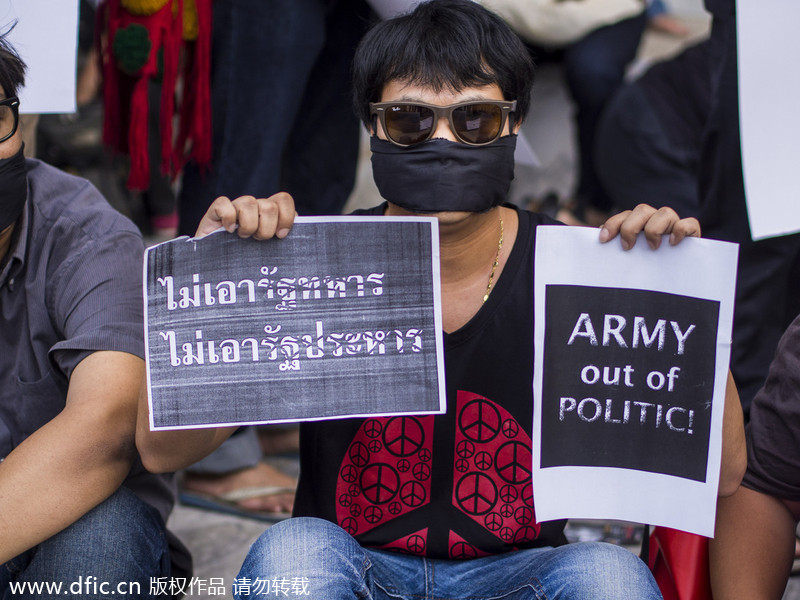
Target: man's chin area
444	217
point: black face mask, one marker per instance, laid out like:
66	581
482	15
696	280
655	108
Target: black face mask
440	175
13	188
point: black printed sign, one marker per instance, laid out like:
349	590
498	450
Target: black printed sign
628	380
336	319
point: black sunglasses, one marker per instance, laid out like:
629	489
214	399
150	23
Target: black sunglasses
476	122
9	117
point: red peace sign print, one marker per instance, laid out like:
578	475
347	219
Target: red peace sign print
403	465
353	490
462	550
483	460
462	465
465	449
476	494
525	534
349	473
374	446
355	510
358	454
403	436
395	508
493	521
345	500
413	494
415	544
524	515
506	510
510	428
508	494
349	525
379	483
479	421
373	428
424	455
421	471
507	534
373	514
527	494
513	462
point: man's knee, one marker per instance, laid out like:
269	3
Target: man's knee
121	539
312	549
610	572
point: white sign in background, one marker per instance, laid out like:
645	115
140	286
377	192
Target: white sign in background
696	269
769	48
46	38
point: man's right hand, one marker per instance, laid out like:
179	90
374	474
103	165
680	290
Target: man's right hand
260	218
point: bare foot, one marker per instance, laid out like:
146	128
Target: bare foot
668	24
261	475
278	440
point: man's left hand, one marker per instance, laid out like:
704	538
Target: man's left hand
654	222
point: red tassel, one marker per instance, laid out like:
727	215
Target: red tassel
171	56
125	95
139	177
195	135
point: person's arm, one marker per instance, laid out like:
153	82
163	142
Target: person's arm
734	448
752	551
260	218
76	460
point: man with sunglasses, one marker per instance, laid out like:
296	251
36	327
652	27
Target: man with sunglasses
77	509
440	506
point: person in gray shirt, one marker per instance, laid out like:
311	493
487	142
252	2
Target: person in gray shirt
76	506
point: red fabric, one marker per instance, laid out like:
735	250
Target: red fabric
194	136
679	563
125	127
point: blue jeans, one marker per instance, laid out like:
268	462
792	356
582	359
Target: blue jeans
320	558
121	542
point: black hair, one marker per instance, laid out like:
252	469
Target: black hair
12	67
444	45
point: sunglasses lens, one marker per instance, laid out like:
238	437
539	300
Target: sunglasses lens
409	124
477	123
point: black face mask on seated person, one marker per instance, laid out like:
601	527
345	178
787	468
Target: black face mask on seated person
440	175
13	188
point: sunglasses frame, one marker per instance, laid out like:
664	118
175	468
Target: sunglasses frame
13	102
506	108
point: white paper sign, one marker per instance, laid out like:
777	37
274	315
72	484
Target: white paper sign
46	38
632	351
769	47
342	318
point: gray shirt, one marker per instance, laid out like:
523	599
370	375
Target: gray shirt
71	285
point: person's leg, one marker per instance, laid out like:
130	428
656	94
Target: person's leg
117	547
594	67
636	160
752	550
262	53
315	556
236	468
321	152
589	571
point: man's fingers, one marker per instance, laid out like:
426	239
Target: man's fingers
260	218
654	223
221	213
689	227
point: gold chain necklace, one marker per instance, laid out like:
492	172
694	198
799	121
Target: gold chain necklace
494	266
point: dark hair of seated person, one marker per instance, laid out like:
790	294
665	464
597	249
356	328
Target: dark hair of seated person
442	45
12	69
